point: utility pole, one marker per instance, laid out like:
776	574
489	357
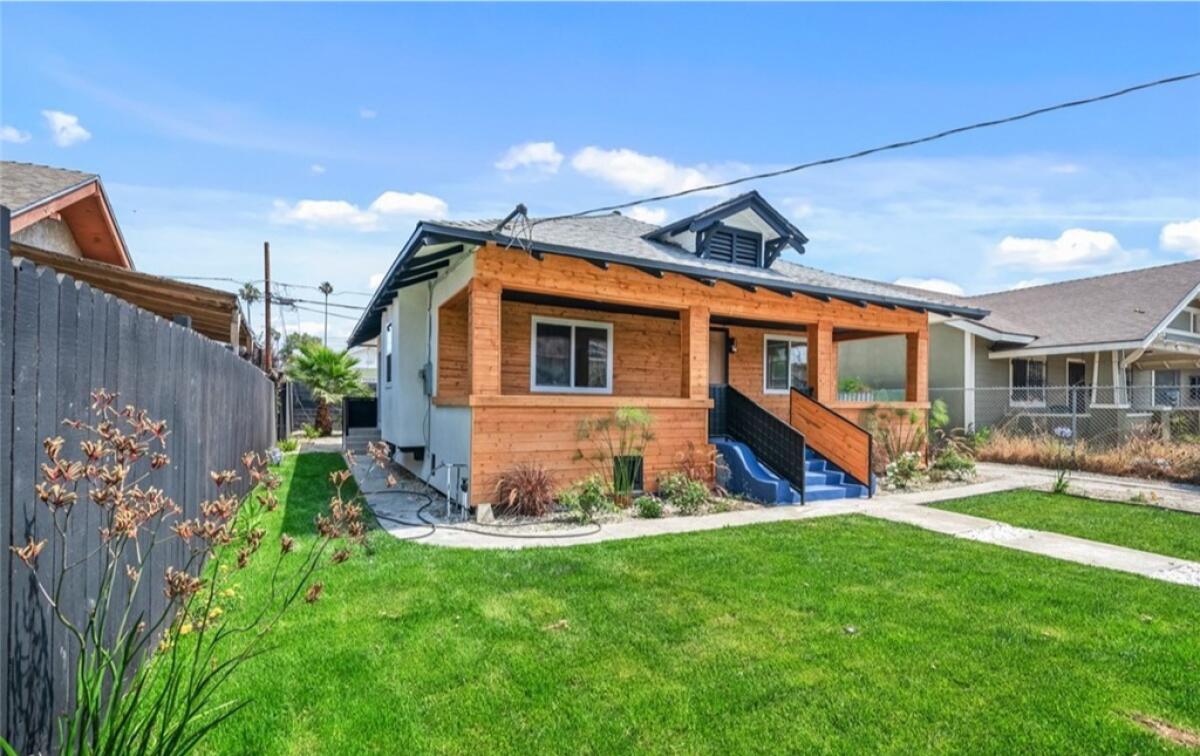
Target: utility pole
267	307
326	289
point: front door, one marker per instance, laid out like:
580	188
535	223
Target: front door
718	357
1077	381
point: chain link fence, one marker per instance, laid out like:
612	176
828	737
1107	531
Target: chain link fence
1141	430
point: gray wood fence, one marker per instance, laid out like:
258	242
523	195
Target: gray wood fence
59	340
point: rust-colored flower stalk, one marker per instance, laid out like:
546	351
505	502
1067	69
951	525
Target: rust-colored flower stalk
314	592
29	552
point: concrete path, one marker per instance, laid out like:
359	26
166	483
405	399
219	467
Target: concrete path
409	512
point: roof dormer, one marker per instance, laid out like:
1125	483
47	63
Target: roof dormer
745	230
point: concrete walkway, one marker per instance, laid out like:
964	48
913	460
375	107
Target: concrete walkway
409	512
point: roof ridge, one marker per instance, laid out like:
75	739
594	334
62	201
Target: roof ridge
1082	279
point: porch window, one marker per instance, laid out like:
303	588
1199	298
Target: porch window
1166	388
571	356
1194	389
1027	382
785	364
387	353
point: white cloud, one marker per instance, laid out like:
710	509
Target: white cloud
1030	283
414	204
655	215
1183	236
64	128
1074	248
366	113
317	169
343	214
540	156
324	213
374	281
637	173
931	284
13	134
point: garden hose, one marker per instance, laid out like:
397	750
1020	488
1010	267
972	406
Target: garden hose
434	526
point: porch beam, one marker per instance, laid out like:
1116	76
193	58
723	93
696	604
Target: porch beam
822	362
916	366
693	334
483	336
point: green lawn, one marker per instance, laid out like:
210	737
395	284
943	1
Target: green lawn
1136	526
838	635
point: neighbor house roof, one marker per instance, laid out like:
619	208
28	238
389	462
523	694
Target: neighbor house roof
1118	310
34	192
615	238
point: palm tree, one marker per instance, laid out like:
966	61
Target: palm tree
249	294
330	375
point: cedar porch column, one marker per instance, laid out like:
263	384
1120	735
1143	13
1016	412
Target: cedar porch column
693	337
916	378
822	362
483	336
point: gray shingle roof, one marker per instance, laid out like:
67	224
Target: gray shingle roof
23	185
1118	307
623	236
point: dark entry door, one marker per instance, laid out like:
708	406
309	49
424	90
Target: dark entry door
1077	380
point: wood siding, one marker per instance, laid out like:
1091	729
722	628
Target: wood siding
833	436
645	349
453	367
505	433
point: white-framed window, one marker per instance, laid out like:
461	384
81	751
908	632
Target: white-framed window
570	356
1166	387
1027	382
785	363
387	354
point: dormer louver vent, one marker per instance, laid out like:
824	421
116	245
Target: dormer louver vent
733	245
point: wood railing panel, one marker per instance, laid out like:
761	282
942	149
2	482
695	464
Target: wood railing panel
832	436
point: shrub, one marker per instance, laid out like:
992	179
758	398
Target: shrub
897	431
310	431
525	489
687	495
698	462
903	471
616	444
951	464
648	507
853	385
288	445
587	498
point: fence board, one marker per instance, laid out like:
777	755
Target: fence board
58	341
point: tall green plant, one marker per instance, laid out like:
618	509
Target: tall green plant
147	680
330	375
615	445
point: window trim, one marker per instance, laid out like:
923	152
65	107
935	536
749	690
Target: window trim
1180	387
791	340
1012	387
572	389
1193	320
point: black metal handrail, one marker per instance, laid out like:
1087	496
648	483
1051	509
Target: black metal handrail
779	445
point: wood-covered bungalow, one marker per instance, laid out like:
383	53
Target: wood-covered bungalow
496	338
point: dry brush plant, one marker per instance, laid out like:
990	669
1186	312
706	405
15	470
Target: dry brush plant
149	681
1143	455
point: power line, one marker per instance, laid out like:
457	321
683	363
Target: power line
883	148
317	302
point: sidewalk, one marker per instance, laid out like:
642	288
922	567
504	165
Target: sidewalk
410	514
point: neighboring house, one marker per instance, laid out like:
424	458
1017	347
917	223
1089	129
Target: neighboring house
62	219
368	363
497	338
62	211
1127	343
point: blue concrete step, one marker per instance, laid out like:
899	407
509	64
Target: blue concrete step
823	481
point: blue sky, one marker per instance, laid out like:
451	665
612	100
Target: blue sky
327	129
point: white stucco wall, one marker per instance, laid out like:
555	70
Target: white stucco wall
49	234
407	417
